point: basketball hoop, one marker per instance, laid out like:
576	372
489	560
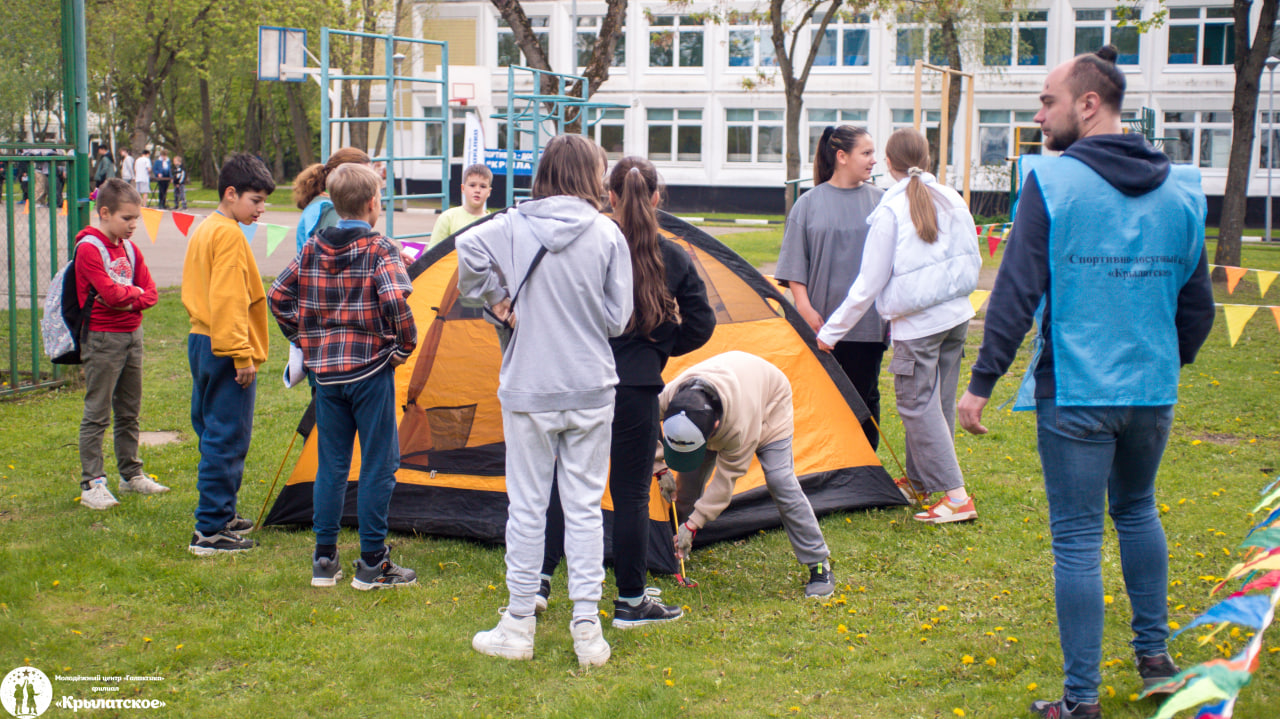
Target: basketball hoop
462	92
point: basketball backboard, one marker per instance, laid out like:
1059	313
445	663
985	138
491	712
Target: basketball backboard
282	53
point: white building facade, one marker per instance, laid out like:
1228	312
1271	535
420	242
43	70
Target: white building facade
703	100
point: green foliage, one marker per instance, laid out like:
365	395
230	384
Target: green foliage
31	70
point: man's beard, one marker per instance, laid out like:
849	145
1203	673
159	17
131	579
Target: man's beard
1060	141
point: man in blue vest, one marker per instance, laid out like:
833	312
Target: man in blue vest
1107	250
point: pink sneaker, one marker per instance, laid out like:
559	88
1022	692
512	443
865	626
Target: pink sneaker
944	511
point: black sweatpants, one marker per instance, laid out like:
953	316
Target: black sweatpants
861	362
635	438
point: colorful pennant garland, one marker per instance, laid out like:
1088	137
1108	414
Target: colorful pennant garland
1215	684
1235	274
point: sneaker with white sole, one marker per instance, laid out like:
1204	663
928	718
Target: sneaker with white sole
511	639
648	611
589	643
947	511
219	542
142	484
382	574
325	571
915	496
820	585
96	495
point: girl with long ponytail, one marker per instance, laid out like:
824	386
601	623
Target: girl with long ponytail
310	197
671	316
920	264
822	250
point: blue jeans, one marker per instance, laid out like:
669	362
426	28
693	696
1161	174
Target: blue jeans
1098	459
222	416
369	408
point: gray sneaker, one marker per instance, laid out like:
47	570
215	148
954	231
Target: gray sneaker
325	571
141	484
97	496
382	574
820	584
239	524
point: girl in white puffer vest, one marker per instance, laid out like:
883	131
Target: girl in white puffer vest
919	266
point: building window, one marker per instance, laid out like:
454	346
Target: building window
1268	140
675	135
434	131
1198	138
918	41
1000	130
1019	38
608	129
1095	28
589	30
749	44
675	41
753	135
929	126
846	42
508	51
819	120
1201	35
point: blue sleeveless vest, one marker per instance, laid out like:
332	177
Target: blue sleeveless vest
310	218
1129	268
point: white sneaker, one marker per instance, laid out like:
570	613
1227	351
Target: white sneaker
589	642
97	496
511	639
142	484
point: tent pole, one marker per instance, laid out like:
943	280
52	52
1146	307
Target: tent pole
272	491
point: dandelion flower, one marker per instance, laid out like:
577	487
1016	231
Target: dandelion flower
966	659
842	629
958	712
860	635
1108	599
670	683
56	582
1111	691
1032	686
1175	626
991	661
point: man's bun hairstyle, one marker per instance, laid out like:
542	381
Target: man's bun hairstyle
1097	72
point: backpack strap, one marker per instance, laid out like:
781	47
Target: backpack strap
537	258
106	256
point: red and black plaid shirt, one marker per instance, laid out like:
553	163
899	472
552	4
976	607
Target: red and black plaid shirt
342	300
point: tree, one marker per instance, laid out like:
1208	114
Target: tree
1250	59
597	70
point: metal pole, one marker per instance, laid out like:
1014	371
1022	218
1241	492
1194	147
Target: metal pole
325	122
395	127
1271	63
389	104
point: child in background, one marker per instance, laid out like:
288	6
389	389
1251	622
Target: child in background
309	193
163	174
920	263
822	250
111	353
477	183
342	300
179	183
559	273
222	291
142	175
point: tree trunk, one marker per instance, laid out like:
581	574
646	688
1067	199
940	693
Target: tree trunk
951	46
208	159
301	125
795	106
1249	62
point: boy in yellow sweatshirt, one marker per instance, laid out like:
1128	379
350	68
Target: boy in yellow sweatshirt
222	291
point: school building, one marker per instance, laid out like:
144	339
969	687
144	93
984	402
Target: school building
701	100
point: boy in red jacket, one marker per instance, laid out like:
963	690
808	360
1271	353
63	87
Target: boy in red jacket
111	353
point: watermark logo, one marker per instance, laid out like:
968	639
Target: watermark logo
26	692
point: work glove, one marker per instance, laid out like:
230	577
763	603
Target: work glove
666	484
684	540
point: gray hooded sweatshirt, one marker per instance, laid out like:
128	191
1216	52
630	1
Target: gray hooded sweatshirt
577	298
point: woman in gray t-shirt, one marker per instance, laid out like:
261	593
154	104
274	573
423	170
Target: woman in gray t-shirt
822	253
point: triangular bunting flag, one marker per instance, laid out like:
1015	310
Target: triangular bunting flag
1268	538
275	233
1269	580
1233	277
1268	500
24	208
151	219
978	298
252	229
93	208
1199	692
183	220
1265	278
63	212
1237	316
992	242
1275	312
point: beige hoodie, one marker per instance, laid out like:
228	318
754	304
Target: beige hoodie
756	398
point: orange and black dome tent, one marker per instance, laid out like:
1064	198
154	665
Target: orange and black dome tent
452	457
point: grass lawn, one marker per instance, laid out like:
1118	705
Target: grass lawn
927	622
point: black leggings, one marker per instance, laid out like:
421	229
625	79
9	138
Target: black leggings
861	362
635	438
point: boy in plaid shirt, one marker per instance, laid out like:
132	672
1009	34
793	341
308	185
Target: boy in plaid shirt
342	300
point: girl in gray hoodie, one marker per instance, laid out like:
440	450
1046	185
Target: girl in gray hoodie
557	272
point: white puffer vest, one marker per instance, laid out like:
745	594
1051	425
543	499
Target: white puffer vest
925	274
